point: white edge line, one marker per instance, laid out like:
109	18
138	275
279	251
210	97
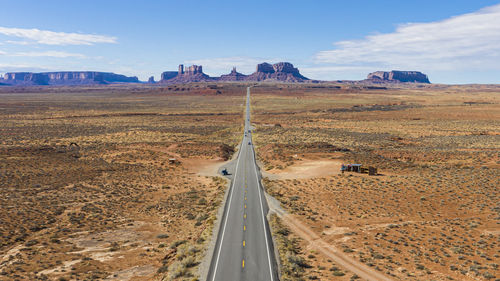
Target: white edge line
263	219
227	214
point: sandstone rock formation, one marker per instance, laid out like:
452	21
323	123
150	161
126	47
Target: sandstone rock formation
265	68
286	67
398	76
189	74
88	77
25	78
65	78
167	75
233	76
38	78
193	70
282	71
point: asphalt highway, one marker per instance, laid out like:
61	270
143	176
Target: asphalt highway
244	249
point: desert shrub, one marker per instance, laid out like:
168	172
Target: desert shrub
189	262
488	275
162	269
298	261
338	273
177	243
283	231
177	269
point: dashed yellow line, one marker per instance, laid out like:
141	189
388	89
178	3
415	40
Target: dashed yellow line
244	228
245	216
245	198
243	263
245	206
244	243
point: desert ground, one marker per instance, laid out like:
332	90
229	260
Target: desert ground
431	213
113	206
90	190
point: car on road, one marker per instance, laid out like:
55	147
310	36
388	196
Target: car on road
249	143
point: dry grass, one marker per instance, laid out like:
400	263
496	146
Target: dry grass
113	205
433	212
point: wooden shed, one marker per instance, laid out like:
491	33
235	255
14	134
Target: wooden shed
354	168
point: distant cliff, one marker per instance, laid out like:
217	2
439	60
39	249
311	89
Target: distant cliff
233	76
167	75
25	78
193	73
398	76
65	78
281	71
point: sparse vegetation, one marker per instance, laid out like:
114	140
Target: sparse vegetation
85	175
69	213
433	212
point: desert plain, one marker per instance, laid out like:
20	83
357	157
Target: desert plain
121	182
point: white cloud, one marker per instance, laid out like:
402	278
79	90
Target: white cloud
20	67
55	54
56	38
224	65
335	68
14	42
337	72
467	42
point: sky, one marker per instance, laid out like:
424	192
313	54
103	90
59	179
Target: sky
453	42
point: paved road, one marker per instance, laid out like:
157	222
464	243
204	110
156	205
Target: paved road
244	250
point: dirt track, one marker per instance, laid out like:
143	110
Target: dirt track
326	249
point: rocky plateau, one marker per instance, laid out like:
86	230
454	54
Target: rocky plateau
398	76
65	78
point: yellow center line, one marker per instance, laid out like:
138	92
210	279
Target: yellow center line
244	243
245	216
243	263
245	206
244	228
245	198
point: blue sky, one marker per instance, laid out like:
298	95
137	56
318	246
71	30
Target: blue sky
451	41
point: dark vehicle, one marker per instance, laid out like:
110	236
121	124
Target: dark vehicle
249	143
